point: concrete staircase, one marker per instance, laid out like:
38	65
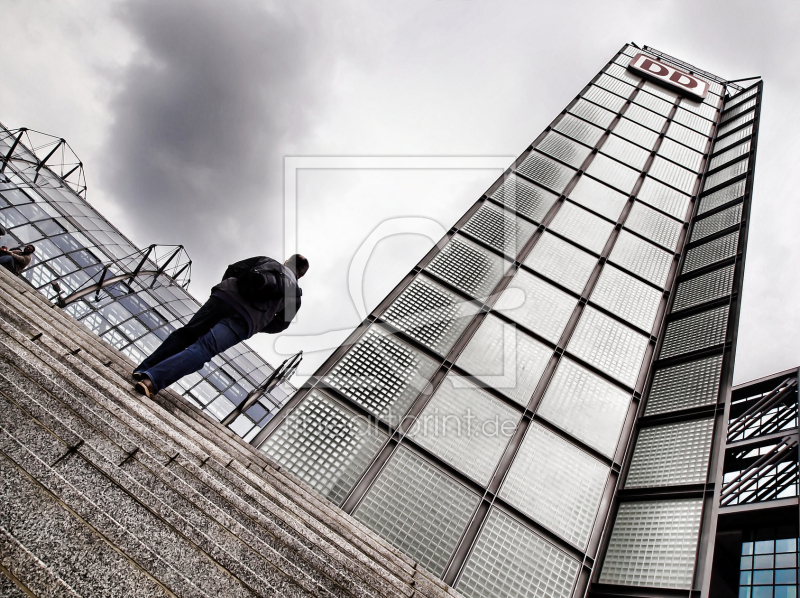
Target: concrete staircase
106	493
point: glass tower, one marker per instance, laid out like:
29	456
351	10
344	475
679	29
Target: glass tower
132	298
534	409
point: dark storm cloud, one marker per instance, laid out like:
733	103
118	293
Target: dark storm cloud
200	118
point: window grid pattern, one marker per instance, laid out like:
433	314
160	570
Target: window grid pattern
768	569
626	152
654	544
737	122
511	561
561	262
731	154
641	258
706	110
520	196
620	72
430	314
671	455
664	198
325	445
672	174
546	172
616	86
721	144
556	484
499	229
654	225
687	137
693	121
717	222
721	197
617	175
418	509
579	130
737	110
627	297
608	99
685	386
701	289
598	197
645	117
661	92
655	104
735	100
563	149
636	133
696	332
711	252
726	173
685	156
592	113
468	267
582	226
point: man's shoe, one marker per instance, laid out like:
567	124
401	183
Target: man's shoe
137	376
146	388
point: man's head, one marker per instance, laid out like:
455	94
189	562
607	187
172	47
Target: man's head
29	249
297	264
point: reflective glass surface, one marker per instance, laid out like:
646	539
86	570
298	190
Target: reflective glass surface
627	297
598	197
581	226
561	262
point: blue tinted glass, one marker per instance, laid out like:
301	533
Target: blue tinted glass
27	233
761	578
785	591
765	547
786	576
163	332
783	561
256	412
763	562
84	258
50	227
789	545
747	548
219	379
762	592
746	563
66	243
236	394
11	217
133	304
35	212
745	578
744	592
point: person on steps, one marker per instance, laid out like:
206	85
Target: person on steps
14	260
256	295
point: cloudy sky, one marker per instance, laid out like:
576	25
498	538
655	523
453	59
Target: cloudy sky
209	124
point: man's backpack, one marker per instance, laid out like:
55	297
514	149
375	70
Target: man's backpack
258	279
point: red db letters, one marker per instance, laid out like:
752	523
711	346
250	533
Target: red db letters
671	77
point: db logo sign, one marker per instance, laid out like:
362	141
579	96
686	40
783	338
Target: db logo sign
662	73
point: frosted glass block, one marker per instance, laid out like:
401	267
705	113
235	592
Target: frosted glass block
607	99
685	386
561	262
657	227
616	86
696	332
721	197
642	258
598	197
646	118
711	252
499	229
701	289
469	267
556	483
717	222
654	544
659	91
585	406
609	346
382	374
505	359
636	133
688	137
592	113
627	297
741	97
579	130
545	310
465	426
563	149
430	314
731	154
653	103
620	72
520	196
511	561
541	169
737	110
626	152
706	110
729	140
673	175
615	174
325	445
736	122
727	173
693	121
671	455
418	509
631	51
664	198
686	157
582	226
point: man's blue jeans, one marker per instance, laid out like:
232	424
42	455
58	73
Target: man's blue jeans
214	328
7	261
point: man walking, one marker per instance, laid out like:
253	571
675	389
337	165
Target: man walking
15	260
256	295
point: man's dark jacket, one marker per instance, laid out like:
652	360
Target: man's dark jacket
271	316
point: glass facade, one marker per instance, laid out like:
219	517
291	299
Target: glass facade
132	298
540	353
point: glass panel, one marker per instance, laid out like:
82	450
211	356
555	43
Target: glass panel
468	267
731	154
717	222
653	103
430	314
418	509
606	99
626	152
736	122
664	198
727	173
686	157
511	561
529	200
659	91
563	149
729	140
657	227
641	258
579	130
699	331
721	197
627	298
698	123
465	426
706	110
598	197
545	309
585	406
609	346
382	374
615	174
636	133
707	287
687	136
737	99
645	117
616	86
592	113
505	359
545	171
654	544
325	445
711	252
581	226
618	71
499	229
737	110
671	455
556	483
673	175
561	262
